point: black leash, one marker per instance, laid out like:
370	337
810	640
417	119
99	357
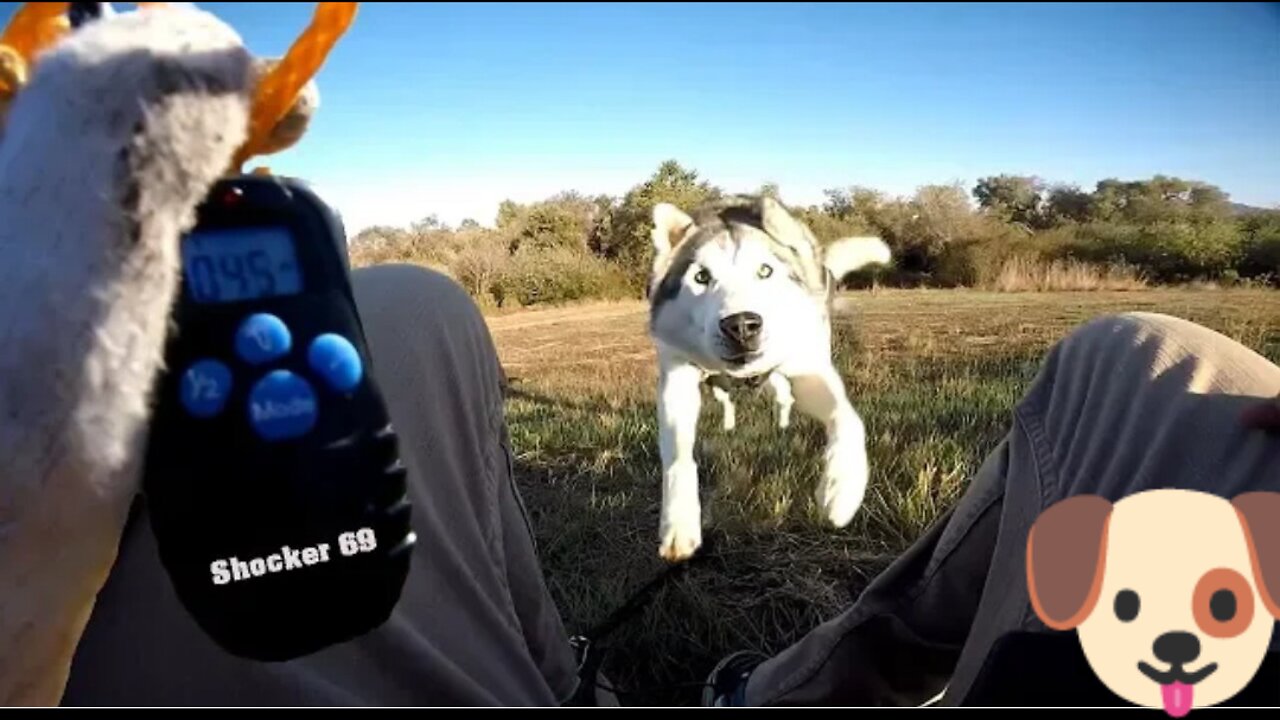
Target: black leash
587	645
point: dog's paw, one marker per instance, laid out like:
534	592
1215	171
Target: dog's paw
729	421
680	543
843	485
680	539
784	417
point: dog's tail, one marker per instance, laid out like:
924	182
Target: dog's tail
849	254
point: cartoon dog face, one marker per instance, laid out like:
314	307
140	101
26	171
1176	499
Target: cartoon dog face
1173	593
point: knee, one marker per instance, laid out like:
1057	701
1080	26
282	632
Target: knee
1105	345
412	285
1118	357
413	296
421	321
410	308
1106	328
1154	338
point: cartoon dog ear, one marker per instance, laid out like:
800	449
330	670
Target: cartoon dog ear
1066	553
670	226
1260	516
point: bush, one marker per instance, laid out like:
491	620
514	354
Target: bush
1174	251
434	247
481	264
1024	274
624	235
828	228
556	275
565	220
379	245
1261	248
976	257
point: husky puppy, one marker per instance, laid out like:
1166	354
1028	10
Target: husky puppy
742	290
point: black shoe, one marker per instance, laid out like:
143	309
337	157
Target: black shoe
727	683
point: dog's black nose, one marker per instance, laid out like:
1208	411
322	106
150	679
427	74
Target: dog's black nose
1177	648
742	330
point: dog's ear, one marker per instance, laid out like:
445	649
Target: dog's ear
783	226
1066	553
796	237
670	226
1260	517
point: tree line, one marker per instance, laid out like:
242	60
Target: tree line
572	246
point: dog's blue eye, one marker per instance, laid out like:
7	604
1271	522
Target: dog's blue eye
1127	604
703	277
764	271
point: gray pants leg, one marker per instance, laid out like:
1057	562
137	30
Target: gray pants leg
1124	404
475	624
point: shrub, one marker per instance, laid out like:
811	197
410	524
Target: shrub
1260	249
481	264
624	235
977	257
1172	251
1025	274
556	275
379	245
828	228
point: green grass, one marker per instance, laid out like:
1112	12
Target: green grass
934	374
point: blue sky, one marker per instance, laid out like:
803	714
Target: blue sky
449	108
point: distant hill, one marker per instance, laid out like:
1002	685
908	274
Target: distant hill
1242	209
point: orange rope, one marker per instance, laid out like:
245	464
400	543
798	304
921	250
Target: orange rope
33	28
37	25
279	88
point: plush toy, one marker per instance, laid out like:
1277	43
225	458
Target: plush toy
114	132
287	96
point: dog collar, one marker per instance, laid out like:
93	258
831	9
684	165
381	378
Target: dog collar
728	382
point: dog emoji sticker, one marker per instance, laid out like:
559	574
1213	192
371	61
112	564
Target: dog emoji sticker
1173	593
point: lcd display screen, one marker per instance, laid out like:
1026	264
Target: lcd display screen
236	264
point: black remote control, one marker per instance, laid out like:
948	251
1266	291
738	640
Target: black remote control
273	481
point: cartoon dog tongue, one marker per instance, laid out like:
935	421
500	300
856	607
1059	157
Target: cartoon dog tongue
1177	698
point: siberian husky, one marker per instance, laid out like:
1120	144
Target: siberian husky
740	291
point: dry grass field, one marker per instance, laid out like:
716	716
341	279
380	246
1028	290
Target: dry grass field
934	375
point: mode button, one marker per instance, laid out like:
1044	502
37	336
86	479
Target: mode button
282	406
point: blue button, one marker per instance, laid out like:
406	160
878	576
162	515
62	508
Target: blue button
282	406
262	338
335	359
205	387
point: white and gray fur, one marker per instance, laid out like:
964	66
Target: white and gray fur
123	128
742	291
